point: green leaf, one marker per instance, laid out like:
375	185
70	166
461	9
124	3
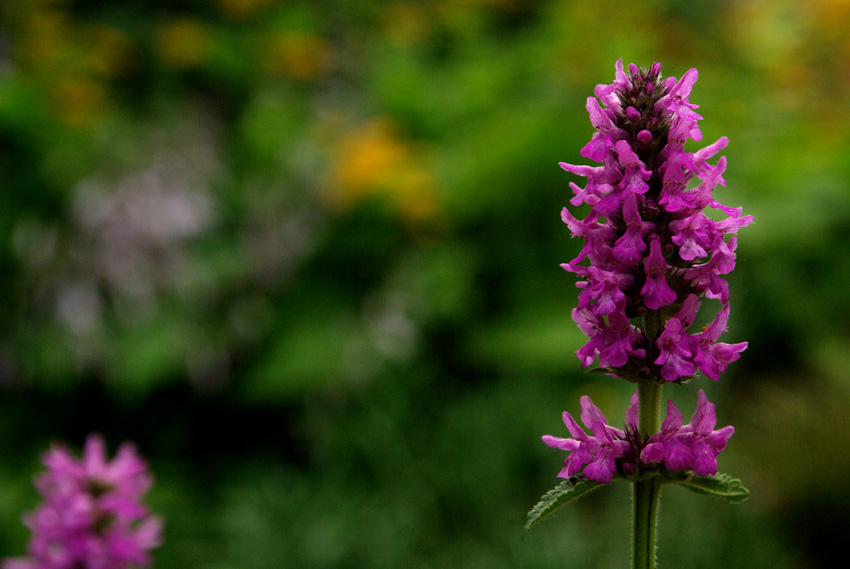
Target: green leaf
563	493
720	485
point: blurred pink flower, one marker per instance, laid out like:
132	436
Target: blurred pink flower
92	515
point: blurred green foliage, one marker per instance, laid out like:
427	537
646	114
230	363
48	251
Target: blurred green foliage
305	255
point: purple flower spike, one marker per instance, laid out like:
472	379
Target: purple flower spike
92	515
648	242
650	256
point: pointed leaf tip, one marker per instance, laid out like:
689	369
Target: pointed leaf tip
560	495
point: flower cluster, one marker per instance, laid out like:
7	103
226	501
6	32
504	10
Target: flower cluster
650	255
92	515
610	450
598	452
695	445
652	252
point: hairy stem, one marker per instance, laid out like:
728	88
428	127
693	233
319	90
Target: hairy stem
649	421
646	492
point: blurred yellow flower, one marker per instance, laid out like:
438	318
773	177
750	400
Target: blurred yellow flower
70	60
183	43
364	158
298	55
372	161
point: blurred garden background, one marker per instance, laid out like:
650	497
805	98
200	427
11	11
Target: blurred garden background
305	255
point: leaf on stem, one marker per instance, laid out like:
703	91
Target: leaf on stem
720	485
563	493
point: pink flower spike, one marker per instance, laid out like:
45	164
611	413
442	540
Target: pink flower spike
647	241
650	253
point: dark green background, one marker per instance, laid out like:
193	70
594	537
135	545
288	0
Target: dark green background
305	255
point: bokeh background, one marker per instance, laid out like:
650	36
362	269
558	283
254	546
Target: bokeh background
305	256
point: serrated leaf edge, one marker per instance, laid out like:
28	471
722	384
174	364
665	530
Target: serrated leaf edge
734	491
559	496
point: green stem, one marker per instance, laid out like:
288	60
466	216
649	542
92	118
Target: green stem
646	492
649	407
